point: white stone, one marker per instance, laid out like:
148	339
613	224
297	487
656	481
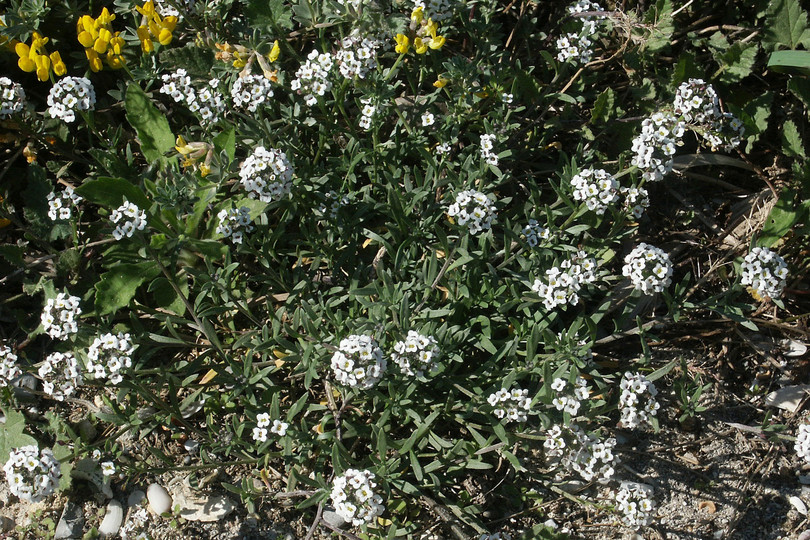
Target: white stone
798	504
112	520
159	499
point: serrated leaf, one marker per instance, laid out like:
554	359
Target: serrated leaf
12	435
737	61
155	135
792	142
12	254
197	61
662	26
785	24
269	14
117	286
603	106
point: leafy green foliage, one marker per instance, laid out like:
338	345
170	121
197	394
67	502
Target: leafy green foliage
13	434
786	25
154	133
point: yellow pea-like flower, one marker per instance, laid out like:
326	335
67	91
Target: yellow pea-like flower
420	46
59	67
165	36
437	42
26	64
441	82
403	44
417	15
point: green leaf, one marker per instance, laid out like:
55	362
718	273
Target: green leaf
111	192
12	254
792	142
737	62
12	436
603	106
153	129
117	286
197	61
226	142
790	62
269	14
785	24
783	216
662	26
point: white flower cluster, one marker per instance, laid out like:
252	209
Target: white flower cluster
442	149
357	56
513	405
60	316
8	366
354	3
71	94
533	232
487	147
12	97
474	209
437	10
416	354
32	475
764	272
585	453
648	268
108	355
207	102
358	362
577	45
354	498
566	402
367	113
166	9
697	102
312	78
637	402
337	202
635	503
60	374
59	205
234	223
266	174
251	92
596	188
263	422
127	219
803	442
563	283
636	200
654	147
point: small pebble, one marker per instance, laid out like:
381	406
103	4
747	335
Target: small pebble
160	501
135	498
799	505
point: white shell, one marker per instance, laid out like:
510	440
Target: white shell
159	499
112	520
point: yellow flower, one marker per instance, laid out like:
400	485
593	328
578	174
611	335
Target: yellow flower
417	15
274	52
59	67
154	27
437	42
441	82
402	44
93	59
420	46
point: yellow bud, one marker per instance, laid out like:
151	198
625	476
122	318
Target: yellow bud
204	170
441	82
88	24
417	15
86	39
100	46
169	23
165	36
432	27
114	61
274	52
105	34
93	59
59	67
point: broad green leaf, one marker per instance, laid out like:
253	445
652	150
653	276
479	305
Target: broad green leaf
660	17
12	435
269	14
197	61
153	129
737	61
792	142
785	24
783	216
12	254
117	286
790	61
111	192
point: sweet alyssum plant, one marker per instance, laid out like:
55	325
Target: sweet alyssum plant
367	245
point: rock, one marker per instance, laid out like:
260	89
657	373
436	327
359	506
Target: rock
205	509
71	523
160	501
793	348
333	519
112	520
88	469
22	387
788	398
805	535
135	498
798	504
191	446
6	524
87	431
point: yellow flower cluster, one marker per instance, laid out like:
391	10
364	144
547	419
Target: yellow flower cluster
35	57
97	37
154	27
242	57
425	35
